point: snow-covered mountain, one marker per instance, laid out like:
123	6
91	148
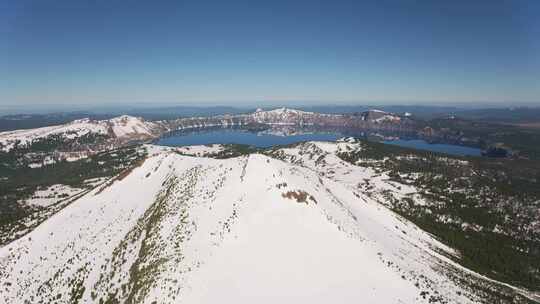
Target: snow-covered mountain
287	116
122	128
379	116
283	116
290	226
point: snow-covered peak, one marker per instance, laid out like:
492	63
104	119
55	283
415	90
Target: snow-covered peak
125	118
121	127
281	116
180	229
287	110
128	125
379	116
74	129
284	110
388	118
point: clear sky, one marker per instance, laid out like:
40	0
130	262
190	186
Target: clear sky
75	52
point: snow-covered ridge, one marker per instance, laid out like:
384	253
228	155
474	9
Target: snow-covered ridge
283	111
288	116
379	116
281	116
126	125
77	128
184	229
121	127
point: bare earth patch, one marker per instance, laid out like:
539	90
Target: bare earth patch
299	195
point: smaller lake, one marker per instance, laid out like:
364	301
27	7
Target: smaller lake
443	148
266	139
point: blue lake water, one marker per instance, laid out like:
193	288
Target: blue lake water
266	139
232	136
443	148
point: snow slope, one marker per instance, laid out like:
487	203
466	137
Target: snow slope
379	116
283	116
121	127
183	229
126	125
286	116
71	130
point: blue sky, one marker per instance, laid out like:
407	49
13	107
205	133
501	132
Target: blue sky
67	52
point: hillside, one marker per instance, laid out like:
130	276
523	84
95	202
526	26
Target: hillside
122	128
289	225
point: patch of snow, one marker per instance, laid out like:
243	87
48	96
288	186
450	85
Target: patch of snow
200	150
387	118
51	195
